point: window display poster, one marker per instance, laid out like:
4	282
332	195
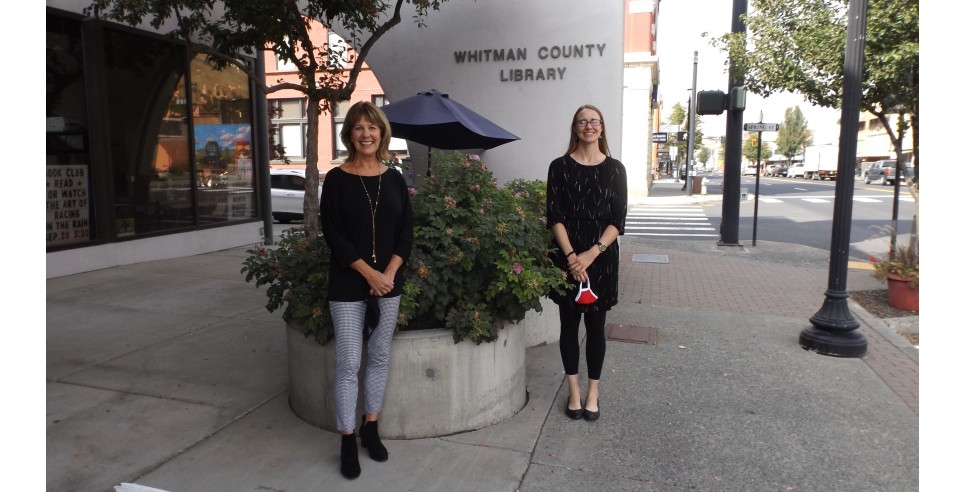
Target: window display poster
220	149
68	208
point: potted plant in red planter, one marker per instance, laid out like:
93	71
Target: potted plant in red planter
902	274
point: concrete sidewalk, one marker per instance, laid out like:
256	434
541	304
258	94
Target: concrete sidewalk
172	375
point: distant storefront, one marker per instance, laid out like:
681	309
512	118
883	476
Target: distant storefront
144	140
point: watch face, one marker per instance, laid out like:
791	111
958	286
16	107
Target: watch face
602	247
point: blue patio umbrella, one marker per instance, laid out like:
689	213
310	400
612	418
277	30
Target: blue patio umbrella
433	119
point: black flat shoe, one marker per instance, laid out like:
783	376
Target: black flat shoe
574	414
592	416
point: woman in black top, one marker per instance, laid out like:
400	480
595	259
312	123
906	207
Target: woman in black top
586	209
367	222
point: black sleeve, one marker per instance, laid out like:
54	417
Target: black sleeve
334	219
619	203
556	195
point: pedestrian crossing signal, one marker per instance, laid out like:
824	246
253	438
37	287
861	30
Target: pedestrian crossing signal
711	102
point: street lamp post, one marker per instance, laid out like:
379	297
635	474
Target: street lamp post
833	328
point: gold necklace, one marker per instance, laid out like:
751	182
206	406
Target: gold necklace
372	210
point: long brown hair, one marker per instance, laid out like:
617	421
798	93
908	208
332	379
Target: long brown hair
371	112
574	139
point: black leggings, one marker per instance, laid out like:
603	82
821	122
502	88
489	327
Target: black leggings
570	343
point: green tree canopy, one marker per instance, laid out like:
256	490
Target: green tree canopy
703	155
677	115
749	149
229	30
793	134
799	47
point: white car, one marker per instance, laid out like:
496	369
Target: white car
796	170
749	170
288	194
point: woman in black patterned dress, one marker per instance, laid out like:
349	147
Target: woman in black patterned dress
586	209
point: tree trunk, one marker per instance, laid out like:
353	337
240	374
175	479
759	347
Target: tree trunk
311	201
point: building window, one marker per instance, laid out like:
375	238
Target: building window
338	120
174	151
291	124
70	197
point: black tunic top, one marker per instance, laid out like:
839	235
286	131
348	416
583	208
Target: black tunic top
586	199
347	226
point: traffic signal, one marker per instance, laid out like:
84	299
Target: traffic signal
682	136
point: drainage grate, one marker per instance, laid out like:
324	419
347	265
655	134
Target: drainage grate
631	334
639	258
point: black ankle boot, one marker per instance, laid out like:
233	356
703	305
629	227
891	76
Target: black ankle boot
369	434
350	457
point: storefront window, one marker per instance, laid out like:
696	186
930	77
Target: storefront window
70	217
157	187
221	105
150	167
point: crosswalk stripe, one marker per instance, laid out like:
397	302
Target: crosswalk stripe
667	221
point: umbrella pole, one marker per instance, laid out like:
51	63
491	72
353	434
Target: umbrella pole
429	162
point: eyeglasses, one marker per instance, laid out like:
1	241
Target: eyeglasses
594	123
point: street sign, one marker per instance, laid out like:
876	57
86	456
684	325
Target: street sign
761	127
659	137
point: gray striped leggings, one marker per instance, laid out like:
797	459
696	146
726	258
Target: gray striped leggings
348	319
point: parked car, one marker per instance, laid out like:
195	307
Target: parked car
782	170
884	173
796	170
749	170
773	170
288	194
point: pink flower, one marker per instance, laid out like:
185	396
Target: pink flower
412	191
517	268
450	202
475	187
474	157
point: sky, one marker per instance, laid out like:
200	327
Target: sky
680	25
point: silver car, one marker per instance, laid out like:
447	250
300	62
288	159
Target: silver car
288	194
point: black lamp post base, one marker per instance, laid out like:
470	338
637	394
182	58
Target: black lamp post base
833	329
838	344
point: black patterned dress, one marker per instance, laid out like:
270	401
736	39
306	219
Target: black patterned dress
586	199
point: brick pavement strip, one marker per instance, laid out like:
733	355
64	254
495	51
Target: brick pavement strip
742	282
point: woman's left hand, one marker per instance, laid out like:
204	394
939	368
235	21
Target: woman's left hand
579	265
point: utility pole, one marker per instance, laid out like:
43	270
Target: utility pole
731	191
692	104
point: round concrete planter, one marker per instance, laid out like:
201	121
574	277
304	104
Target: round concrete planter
542	328
435	387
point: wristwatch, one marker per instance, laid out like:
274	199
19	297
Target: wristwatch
601	246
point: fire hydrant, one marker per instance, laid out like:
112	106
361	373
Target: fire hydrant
704	186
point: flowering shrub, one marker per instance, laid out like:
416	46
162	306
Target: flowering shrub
904	264
479	251
297	274
479	258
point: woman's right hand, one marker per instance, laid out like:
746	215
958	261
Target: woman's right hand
380	284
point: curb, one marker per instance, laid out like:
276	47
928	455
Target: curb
897	340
